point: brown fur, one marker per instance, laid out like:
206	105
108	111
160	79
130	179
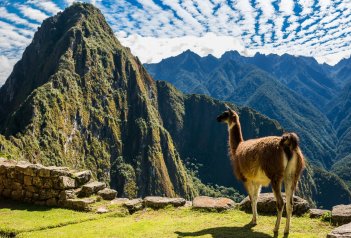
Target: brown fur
261	161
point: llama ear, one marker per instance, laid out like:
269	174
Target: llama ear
231	111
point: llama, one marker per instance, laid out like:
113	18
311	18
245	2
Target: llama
263	161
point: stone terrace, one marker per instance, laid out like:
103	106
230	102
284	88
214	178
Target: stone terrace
51	186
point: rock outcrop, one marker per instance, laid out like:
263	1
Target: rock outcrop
107	193
318	213
343	231
266	203
341	214
209	203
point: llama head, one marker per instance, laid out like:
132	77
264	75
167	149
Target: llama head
230	117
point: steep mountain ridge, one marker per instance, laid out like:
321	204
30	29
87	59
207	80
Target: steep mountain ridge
302	75
339	112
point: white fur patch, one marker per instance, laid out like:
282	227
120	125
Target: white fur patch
290	169
261	178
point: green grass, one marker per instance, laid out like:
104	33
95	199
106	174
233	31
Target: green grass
16	218
29	221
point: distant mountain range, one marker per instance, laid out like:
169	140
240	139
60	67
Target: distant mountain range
304	96
79	98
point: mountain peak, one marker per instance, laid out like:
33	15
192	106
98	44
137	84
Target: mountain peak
83	16
190	53
76	31
232	54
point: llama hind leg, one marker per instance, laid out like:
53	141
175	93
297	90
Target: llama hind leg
289	191
254	190
276	186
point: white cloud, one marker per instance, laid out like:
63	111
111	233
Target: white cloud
69	2
267	8
47	6
152	49
6	66
11	35
15	19
32	13
286	7
333	59
306	6
324	4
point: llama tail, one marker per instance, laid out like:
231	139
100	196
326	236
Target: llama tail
289	141
290	144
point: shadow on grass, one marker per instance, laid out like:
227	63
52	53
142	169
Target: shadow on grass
226	232
22	206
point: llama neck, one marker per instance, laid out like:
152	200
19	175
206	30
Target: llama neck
235	136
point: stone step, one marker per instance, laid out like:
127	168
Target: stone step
79	204
134	205
82	177
161	202
107	194
91	188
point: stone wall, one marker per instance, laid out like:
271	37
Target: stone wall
51	186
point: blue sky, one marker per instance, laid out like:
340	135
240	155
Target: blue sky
156	29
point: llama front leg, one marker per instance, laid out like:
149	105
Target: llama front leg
276	186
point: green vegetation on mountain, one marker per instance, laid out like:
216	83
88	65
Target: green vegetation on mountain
339	112
330	189
303	75
342	169
8	150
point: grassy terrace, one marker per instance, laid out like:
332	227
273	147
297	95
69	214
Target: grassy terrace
33	221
